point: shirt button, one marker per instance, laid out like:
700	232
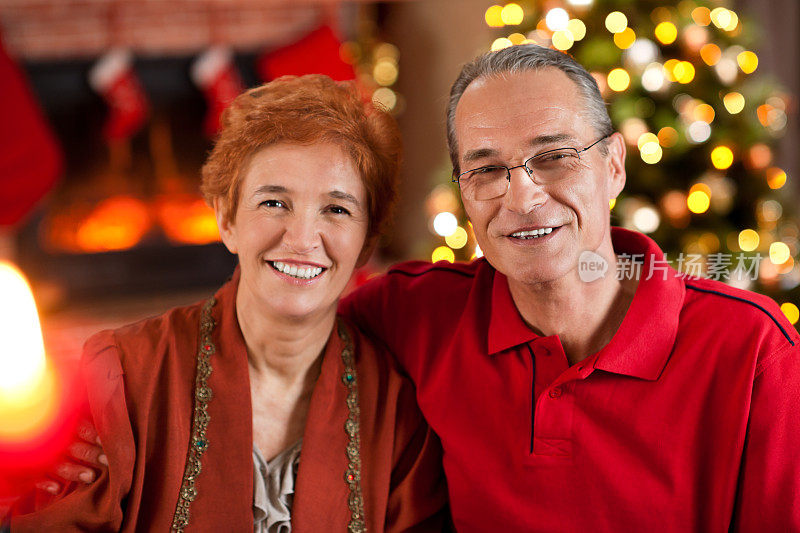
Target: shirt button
555	392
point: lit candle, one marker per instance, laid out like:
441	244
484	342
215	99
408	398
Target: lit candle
28	395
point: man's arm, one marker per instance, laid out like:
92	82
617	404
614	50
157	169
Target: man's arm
418	492
769	481
366	307
391	310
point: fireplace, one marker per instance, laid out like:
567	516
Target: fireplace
127	216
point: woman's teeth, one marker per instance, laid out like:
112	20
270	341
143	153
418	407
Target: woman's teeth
533	234
295	272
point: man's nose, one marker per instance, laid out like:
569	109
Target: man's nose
302	233
523	194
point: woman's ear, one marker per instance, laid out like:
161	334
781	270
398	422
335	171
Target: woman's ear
227	229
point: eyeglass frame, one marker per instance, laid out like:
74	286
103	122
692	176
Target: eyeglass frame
457	178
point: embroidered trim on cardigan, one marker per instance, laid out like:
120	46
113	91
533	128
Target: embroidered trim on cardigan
198	442
353	428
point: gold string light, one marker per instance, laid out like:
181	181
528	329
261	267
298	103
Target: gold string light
512	14
494	17
619	79
666	32
616	21
791	311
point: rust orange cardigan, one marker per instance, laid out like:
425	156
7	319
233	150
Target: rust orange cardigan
140	386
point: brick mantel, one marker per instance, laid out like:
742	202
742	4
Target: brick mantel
68	29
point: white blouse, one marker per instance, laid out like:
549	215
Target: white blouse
273	490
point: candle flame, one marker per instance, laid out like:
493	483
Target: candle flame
27	384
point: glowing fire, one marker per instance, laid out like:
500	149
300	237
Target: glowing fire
117	223
186	219
28	389
121	222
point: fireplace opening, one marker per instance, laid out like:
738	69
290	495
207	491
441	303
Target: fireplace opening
127	215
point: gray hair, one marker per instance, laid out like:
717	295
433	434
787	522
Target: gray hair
521	58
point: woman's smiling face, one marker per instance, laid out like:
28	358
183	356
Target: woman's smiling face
299	229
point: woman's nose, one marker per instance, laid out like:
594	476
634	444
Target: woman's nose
302	233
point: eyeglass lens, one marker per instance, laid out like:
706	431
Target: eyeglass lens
493	181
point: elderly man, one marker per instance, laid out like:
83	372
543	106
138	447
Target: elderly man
568	400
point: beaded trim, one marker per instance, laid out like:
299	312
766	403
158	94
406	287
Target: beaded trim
353	428
198	441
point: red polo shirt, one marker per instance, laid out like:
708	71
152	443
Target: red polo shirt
688	420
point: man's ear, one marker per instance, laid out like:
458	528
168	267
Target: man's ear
616	165
366	252
227	231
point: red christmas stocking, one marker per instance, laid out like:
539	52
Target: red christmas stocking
30	156
316	53
114	79
215	74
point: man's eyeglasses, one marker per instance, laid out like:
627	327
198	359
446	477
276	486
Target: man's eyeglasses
492	181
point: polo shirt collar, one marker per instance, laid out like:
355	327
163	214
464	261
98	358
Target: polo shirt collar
644	340
643	343
506	326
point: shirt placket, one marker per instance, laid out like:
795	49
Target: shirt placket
554	399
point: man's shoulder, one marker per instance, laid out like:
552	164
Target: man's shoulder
424	272
373	359
415	291
738	313
434	285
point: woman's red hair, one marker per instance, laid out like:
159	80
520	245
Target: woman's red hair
305	110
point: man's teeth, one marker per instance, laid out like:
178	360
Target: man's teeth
532	234
295	272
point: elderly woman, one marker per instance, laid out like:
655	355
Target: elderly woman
260	409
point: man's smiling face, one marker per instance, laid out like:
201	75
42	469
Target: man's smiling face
535	233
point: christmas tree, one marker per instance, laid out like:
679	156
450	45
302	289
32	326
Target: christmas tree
700	124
